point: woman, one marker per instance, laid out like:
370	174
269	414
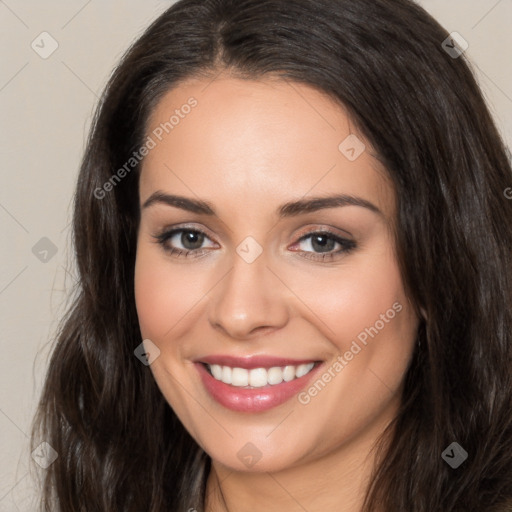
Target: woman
293	241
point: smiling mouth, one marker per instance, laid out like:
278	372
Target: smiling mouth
258	377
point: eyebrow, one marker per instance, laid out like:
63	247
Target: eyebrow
289	209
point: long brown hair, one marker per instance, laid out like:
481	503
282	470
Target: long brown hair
120	446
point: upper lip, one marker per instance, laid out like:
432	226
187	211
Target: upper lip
251	362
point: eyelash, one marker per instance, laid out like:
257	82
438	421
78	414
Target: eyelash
347	245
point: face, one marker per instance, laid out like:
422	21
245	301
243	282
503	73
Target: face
296	306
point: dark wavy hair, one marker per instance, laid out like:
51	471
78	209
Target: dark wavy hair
120	445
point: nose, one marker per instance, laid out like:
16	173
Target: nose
249	301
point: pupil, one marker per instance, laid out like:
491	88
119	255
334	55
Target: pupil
315	241
189	236
318	241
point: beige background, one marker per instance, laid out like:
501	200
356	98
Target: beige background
46	107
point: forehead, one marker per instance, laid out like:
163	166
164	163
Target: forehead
252	139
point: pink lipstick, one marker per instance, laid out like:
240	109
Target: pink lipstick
254	384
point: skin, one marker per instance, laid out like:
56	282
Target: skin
247	148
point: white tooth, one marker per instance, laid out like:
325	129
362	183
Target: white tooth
216	370
275	375
226	374
288	373
257	377
303	369
240	377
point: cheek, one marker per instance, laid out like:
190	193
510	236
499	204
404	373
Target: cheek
161	309
151	302
163	296
365	288
372	327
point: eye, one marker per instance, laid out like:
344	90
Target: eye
191	241
325	241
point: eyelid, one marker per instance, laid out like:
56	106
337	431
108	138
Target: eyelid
325	228
347	245
187	227
307	231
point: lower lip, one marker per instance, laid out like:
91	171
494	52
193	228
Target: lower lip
253	400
